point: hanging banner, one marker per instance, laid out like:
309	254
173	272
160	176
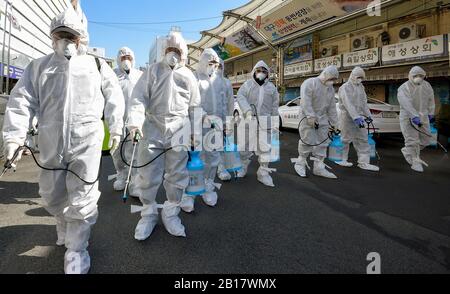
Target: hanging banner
296	15
321	64
361	58
297	69
238	43
300	50
414	50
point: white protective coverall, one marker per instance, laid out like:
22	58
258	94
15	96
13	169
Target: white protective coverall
127	81
228	99
317	104
416	100
353	105
70	98
215	110
265	99
162	103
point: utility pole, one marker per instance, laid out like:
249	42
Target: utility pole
9	49
3	50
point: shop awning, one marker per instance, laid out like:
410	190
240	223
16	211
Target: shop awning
233	21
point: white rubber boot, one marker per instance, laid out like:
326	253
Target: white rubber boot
119	185
210	197
321	171
187	203
243	171
407	156
76	262
171	220
368	167
61	228
417	166
147	223
263	175
300	166
344	163
224	175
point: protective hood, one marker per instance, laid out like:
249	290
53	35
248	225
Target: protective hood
207	56
125	51
68	21
330	72
260	64
357	72
416	70
176	40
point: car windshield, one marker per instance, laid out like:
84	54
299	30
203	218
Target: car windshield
295	102
375	101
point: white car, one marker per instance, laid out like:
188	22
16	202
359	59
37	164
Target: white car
385	116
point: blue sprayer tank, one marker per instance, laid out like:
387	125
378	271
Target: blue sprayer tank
232	158
336	149
434	134
196	175
275	147
373	147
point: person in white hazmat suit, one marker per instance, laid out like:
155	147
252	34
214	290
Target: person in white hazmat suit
318	113
417	108
228	103
354	113
128	76
259	97
163	101
69	93
210	86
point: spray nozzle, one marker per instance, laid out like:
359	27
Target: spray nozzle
137	138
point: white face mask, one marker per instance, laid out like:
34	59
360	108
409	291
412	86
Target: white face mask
359	81
65	47
126	65
329	83
261	76
418	80
211	70
172	59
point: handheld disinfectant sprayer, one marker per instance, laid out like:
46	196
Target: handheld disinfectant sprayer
136	139
426	134
332	132
10	164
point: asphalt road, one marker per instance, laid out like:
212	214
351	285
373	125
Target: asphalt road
311	225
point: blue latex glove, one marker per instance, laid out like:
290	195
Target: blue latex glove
431	118
359	122
416	121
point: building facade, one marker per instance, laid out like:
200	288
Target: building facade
25	35
300	39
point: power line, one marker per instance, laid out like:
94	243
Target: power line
140	29
156	23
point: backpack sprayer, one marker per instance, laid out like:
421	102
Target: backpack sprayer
426	134
373	145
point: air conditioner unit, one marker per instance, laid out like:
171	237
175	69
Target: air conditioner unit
329	51
360	43
411	32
